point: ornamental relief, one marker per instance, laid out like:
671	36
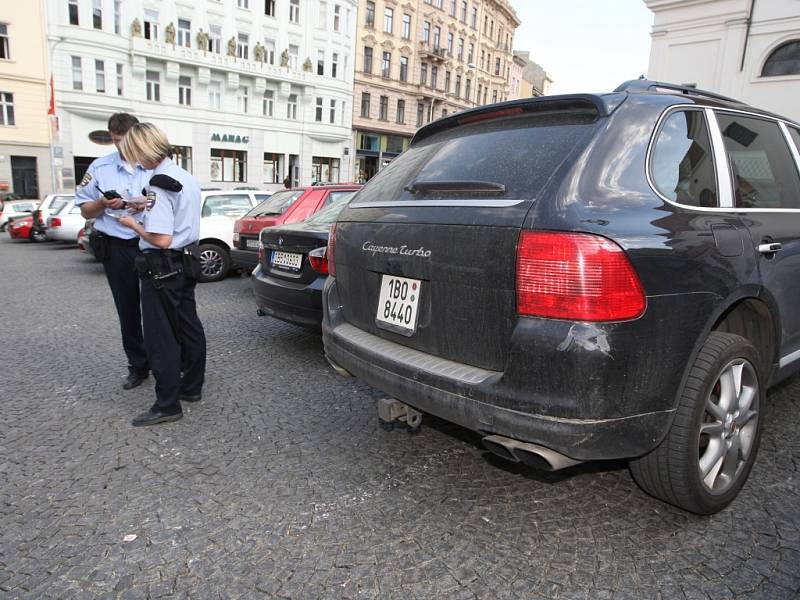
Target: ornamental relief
405	50
387	45
370	39
408	7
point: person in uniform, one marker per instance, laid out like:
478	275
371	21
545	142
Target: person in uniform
173	334
117	246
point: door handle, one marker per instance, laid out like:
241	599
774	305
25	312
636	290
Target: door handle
769	248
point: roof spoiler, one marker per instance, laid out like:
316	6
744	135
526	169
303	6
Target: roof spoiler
647	85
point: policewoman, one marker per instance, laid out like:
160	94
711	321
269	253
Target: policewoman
107	179
173	335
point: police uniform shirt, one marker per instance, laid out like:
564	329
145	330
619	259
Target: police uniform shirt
111	172
173	213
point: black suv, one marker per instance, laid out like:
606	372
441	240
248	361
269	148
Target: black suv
583	277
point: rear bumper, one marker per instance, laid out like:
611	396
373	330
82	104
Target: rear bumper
244	259
594	398
288	301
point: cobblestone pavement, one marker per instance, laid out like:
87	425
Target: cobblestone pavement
281	484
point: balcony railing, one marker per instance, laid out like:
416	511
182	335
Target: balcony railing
436	52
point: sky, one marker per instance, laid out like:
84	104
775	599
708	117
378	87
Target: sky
585	45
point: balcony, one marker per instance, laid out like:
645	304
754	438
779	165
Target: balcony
436	53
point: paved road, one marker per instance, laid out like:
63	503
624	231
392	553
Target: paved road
281	484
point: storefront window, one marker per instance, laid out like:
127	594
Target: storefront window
182	155
228	165
273	167
325	169
370	142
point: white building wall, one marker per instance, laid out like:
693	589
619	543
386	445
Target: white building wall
81	111
703	42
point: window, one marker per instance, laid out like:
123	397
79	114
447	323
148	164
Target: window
471	54
77	73
337	18
242	46
370	142
215	39
365	105
457	90
226	165
784	60
269	8
100	76
318	111
367	59
268	103
383	109
294	11
444	113
447	82
460	48
332	113
294	53
4	47
464	11
269	52
423	74
6	108
450	42
474	19
119	79
764	172
437	37
452	8
480	91
215	95
325	169
497	66
334	64
388	20
185	90
369	18
467	88
243	3
386	65
322	15
153	86
320	62
73	12
272	167
406	33
434	76
117	16
291	107
494	96
184	33
426	32
682	165
182	155
242	97
403	68
97	14
420	111
151	25
437	3
401	111
795	135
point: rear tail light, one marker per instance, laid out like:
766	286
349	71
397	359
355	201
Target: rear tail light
55	222
576	276
318	259
331	248
235	239
262	257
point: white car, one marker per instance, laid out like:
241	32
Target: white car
13	209
51	204
218	213
66	224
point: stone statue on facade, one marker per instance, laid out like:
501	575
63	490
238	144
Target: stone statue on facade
232	47
136	28
259	52
285	58
307	65
202	40
169	33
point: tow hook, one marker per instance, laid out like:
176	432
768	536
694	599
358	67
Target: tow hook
392	412
260	313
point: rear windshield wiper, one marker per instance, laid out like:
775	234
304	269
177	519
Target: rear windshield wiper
456	187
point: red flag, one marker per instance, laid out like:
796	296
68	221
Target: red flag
52	108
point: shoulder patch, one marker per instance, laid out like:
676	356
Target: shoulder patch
87	179
151	200
166	182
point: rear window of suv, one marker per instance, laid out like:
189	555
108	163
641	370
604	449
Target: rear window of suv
513	157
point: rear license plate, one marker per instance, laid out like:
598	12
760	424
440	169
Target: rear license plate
287	260
250	243
397	304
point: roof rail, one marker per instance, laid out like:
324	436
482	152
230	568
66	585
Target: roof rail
646	85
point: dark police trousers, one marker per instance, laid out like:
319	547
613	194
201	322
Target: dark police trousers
124	283
169	355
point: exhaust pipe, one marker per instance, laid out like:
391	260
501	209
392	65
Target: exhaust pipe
340	370
533	455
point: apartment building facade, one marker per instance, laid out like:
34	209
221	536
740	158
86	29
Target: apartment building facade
24	131
420	60
248	91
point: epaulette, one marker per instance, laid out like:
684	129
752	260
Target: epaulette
165	182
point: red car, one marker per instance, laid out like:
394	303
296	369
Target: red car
286	206
22	229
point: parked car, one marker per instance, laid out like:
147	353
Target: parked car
83	237
218	213
285	206
583	277
293	266
23	229
51	204
66	224
14	209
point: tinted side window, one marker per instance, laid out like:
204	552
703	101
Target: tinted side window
682	166
764	172
795	137
335	196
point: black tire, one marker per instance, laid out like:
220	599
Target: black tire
215	262
672	472
38	236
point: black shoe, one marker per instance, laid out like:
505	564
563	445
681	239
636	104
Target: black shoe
190	397
135	379
152	417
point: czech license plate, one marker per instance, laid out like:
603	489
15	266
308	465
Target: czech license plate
290	260
252	244
398	303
